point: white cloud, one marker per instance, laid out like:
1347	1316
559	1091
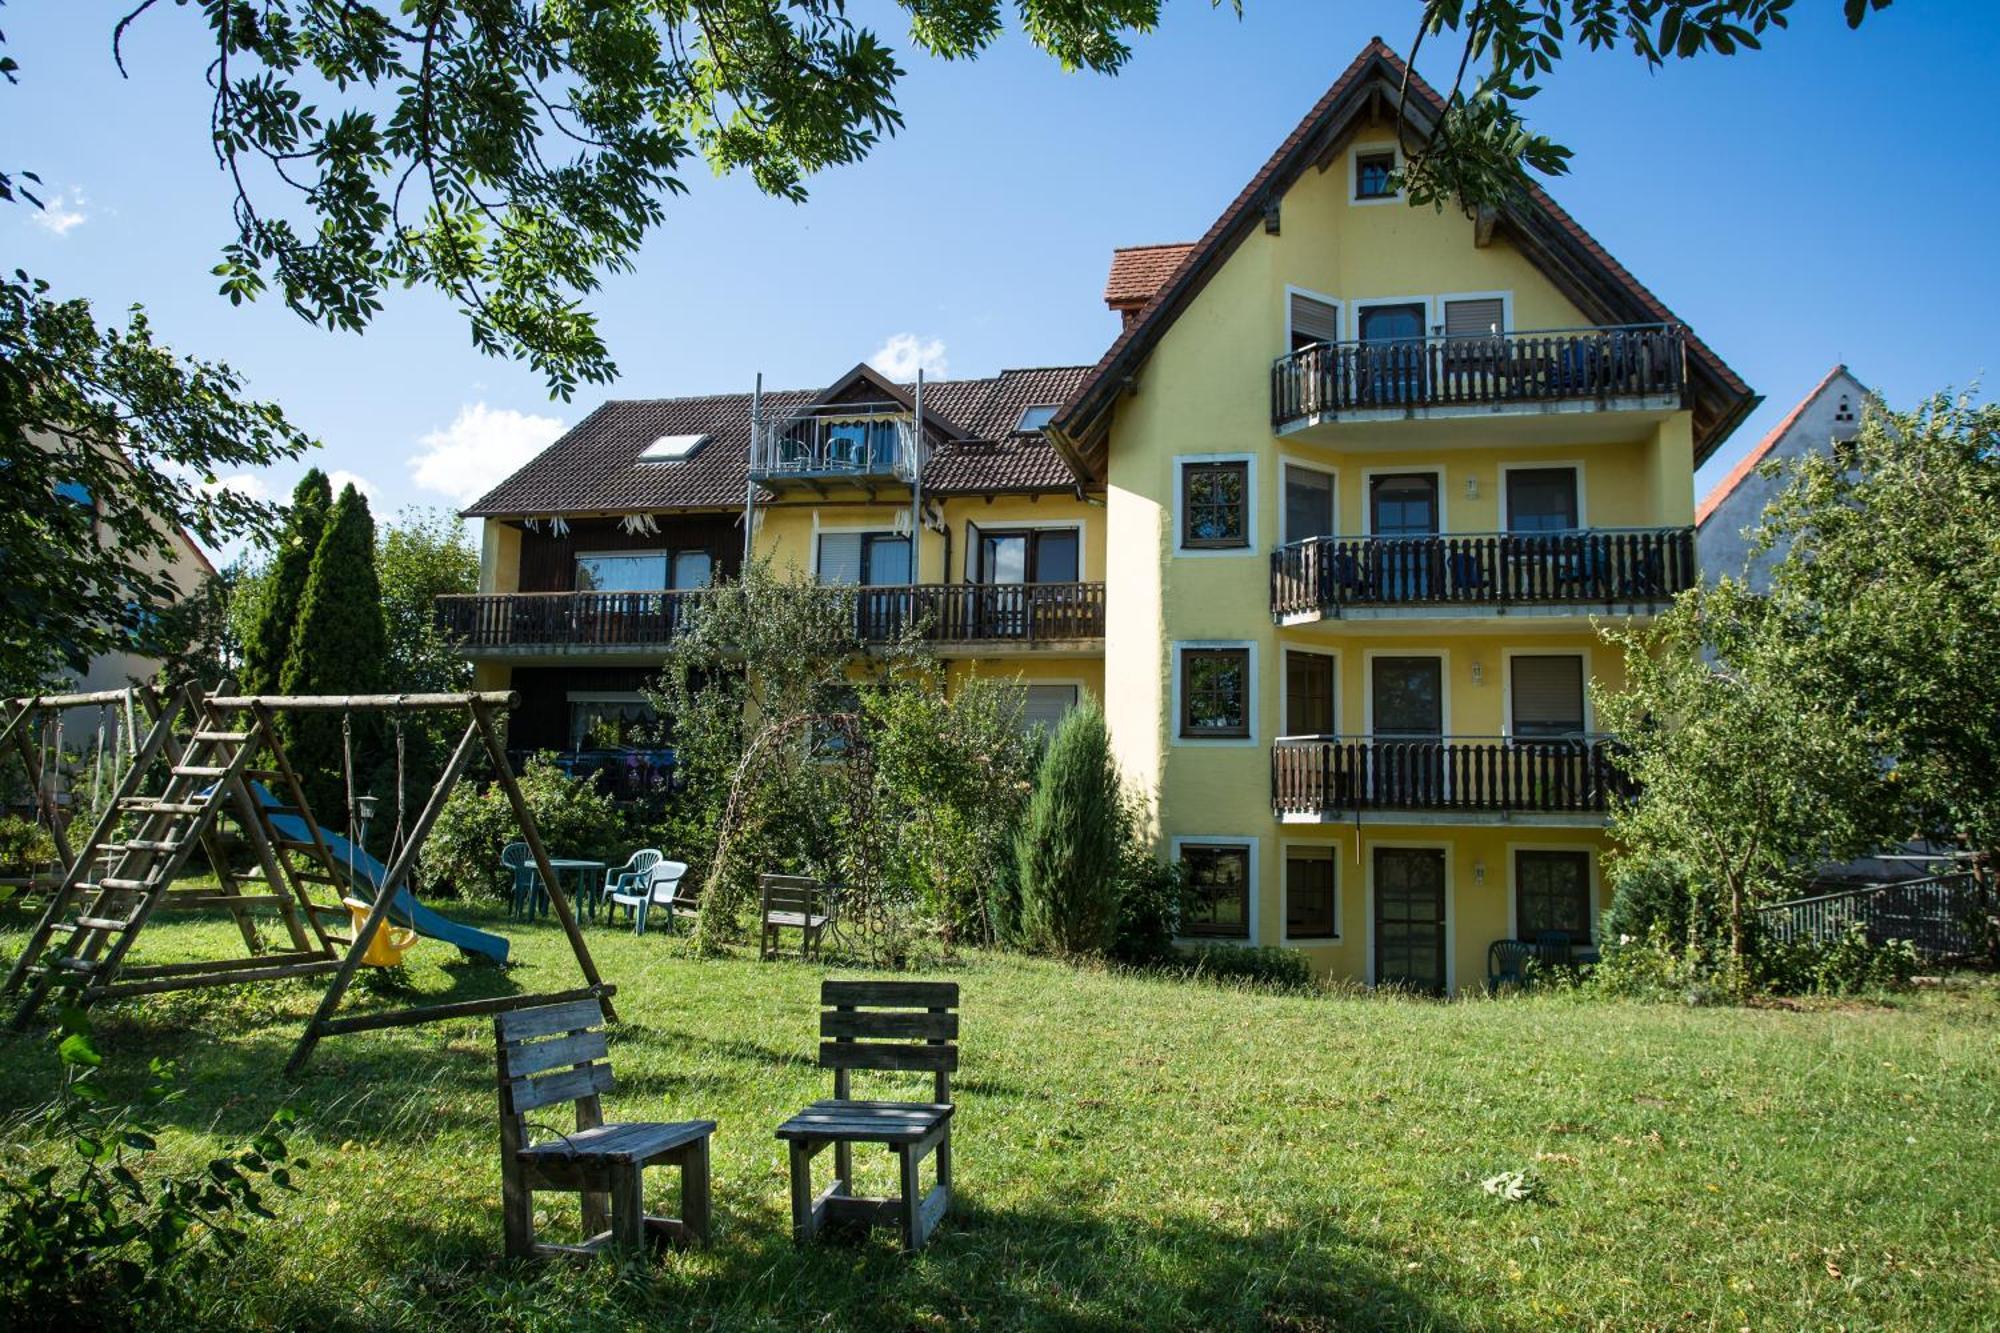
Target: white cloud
904	354
480	449
61	213
246	484
340	479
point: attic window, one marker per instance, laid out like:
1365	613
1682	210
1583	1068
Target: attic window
1034	418
1372	172
671	448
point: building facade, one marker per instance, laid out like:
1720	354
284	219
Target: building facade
1338	515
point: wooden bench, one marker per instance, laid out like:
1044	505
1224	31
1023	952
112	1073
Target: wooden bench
879	1025
557	1054
797	903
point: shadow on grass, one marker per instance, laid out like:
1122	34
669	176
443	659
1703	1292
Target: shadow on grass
1043	1266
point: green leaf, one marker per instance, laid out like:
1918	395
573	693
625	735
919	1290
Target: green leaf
77	1050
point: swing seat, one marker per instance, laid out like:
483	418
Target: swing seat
390	943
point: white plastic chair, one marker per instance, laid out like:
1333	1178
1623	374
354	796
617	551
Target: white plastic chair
658	889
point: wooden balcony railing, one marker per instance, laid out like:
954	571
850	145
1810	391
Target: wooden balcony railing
1025	613
566	619
1491	569
1326	380
1333	775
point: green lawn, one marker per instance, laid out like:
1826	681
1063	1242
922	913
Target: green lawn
1141	1152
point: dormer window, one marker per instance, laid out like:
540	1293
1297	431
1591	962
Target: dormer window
1035	418
1373	170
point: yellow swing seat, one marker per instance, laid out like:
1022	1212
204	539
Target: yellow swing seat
390	942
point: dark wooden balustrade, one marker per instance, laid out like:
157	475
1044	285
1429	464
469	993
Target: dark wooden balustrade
1334	775
938	613
1493	569
1551	366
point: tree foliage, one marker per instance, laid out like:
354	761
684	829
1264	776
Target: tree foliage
339	646
1069	842
1891	567
1749	777
139	438
1481	151
267	636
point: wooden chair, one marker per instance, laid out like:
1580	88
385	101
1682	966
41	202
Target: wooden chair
793	902
881	1025
554	1054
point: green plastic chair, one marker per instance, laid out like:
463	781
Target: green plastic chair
1507	964
528	894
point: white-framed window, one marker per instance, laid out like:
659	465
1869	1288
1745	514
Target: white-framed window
1552	887
1312	893
1548	695
1036	417
1215	505
1371	169
1541	497
643	571
1311	496
1219	902
1215	693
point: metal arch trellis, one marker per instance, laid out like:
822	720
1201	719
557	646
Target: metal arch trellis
141	843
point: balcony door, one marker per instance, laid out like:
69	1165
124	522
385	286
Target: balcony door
875	561
1007	564
1406	720
1392	354
1403	512
1410	918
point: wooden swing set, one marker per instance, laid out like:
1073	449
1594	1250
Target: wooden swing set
108	889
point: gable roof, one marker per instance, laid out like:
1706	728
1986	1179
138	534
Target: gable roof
595	467
1762	449
1552	240
1139	271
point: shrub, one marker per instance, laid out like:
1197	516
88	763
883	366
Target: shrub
574	818
106	1243
23	842
1647	896
1848	964
1149	894
1068	847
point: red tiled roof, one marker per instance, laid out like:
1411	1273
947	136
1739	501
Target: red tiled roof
1762	449
595	467
1139	271
1143	331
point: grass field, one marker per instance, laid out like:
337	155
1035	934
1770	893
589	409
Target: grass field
1136	1152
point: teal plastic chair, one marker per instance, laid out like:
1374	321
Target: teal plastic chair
528	896
1507	964
623	879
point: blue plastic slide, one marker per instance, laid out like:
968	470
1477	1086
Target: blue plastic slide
406	910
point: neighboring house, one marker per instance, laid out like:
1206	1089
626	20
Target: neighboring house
1726	520
1334	513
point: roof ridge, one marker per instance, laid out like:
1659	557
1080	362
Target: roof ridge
1152	245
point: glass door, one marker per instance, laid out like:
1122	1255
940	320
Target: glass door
1403	510
1406	698
1410	918
1392	355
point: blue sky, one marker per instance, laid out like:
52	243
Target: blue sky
1831	198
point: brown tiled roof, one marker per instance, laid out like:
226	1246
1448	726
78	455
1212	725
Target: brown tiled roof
1084	414
1762	449
595	467
1139	271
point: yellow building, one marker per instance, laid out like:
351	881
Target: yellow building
1337	515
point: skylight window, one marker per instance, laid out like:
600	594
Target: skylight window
1034	418
671	448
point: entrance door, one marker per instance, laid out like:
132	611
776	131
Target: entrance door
1409	918
1406	699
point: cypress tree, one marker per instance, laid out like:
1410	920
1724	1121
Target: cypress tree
1068	846
340	645
269	640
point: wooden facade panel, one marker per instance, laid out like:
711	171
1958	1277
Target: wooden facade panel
548	560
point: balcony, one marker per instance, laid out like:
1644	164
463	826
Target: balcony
859	444
1624	570
1449	779
1532	373
1003	616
